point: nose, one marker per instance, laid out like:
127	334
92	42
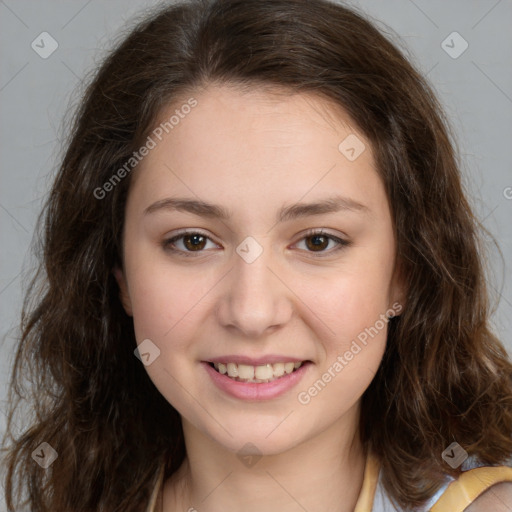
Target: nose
255	301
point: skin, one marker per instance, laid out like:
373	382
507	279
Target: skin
497	498
253	153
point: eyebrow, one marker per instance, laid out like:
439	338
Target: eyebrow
204	209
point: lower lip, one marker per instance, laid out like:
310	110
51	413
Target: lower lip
256	391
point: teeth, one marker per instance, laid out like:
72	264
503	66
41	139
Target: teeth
278	369
232	370
264	372
246	372
261	373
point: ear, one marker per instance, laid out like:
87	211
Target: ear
124	296
398	291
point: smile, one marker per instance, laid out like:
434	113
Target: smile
256	374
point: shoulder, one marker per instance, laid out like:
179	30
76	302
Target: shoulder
497	498
479	489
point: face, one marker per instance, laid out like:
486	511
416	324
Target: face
253	237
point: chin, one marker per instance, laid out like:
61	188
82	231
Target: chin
251	439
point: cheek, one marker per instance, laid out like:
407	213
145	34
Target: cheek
165	307
352	300
159	297
161	303
354	310
353	305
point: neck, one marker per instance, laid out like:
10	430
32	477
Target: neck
322	473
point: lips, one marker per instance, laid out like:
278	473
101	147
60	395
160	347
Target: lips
256	389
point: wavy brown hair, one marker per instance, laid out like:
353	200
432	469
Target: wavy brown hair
444	376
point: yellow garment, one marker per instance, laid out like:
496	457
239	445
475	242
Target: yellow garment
458	495
370	480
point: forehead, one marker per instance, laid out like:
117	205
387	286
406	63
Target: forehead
252	111
254	142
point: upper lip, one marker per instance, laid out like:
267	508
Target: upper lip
255	361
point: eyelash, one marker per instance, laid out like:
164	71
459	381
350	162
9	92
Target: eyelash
167	244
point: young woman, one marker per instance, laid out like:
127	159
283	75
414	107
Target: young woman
262	286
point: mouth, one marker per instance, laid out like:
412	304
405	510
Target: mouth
257	374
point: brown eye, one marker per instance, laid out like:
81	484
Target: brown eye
321	243
194	242
188	243
317	242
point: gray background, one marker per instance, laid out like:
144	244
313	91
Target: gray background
35	93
